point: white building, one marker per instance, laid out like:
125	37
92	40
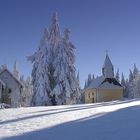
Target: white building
10	87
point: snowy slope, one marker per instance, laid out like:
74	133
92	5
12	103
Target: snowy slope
116	120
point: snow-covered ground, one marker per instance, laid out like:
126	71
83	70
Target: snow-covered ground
116	120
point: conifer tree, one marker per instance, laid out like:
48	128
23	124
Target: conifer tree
54	72
135	71
85	86
117	76
130	76
39	59
123	80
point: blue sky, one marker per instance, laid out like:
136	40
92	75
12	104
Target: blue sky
96	25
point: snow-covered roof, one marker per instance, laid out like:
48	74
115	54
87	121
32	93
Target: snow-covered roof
110	83
105	83
96	82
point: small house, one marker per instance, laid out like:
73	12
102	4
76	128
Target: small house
10	87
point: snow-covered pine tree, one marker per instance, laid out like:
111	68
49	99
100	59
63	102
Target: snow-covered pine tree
93	77
130	76
54	73
133	86
117	76
134	83
135	71
123	83
40	79
127	89
136	87
78	79
27	91
71	75
85	86
54	40
129	85
66	89
122	80
89	79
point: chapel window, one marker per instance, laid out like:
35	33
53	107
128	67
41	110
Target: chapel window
89	94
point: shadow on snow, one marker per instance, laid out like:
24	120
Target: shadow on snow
63	110
123	124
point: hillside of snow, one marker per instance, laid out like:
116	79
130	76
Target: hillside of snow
116	120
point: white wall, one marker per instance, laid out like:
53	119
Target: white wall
12	84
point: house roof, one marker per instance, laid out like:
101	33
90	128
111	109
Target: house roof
105	83
18	81
96	82
110	83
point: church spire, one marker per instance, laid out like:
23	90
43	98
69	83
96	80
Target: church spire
108	69
15	71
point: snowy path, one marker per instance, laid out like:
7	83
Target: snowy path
118	120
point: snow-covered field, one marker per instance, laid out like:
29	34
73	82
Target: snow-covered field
116	120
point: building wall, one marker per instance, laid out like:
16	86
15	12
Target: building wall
105	95
12	92
90	96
